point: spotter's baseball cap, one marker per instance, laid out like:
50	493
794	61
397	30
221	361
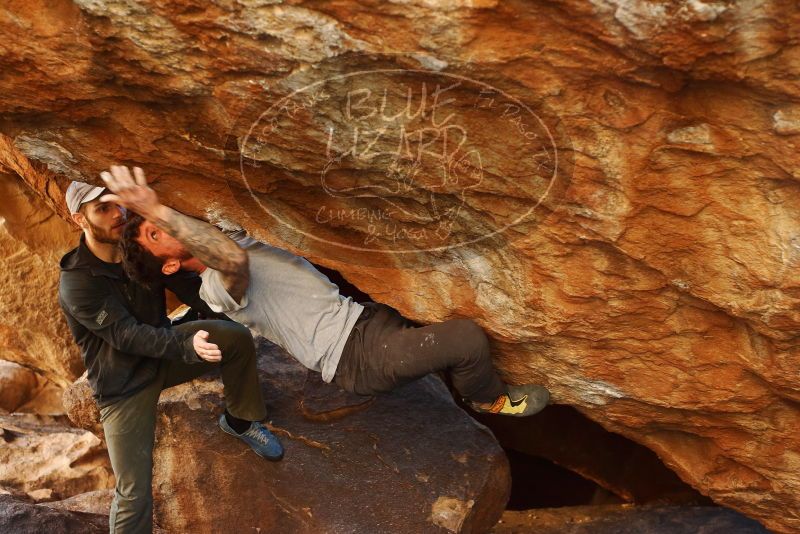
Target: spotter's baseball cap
79	193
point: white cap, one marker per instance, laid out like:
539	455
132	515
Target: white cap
80	193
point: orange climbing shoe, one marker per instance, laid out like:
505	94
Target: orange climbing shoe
520	401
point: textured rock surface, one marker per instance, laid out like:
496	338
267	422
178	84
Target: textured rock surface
656	285
626	519
411	461
81	407
17	385
92	502
46	399
32	330
22	517
49	460
23	390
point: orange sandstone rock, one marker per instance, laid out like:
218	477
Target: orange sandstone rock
609	188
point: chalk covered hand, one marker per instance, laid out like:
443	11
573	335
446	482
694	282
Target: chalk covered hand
129	192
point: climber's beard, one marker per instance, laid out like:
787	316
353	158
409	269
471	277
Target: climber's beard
110	236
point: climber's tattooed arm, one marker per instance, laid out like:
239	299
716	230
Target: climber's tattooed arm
203	240
208	244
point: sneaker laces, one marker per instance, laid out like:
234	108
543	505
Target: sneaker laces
256	432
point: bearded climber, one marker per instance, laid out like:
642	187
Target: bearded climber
132	351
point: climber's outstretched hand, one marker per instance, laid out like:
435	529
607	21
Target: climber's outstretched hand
129	192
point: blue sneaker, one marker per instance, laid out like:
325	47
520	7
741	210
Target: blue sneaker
260	439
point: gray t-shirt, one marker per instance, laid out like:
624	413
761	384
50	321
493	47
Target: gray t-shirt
288	302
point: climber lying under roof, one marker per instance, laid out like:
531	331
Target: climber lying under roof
366	348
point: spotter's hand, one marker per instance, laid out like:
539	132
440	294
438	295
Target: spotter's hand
207	351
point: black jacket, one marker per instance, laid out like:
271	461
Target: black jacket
122	327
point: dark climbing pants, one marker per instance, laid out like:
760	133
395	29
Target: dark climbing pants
385	351
129	424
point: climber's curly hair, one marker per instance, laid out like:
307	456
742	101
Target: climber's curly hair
139	263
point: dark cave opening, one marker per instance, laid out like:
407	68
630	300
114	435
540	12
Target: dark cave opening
345	288
540	483
560	457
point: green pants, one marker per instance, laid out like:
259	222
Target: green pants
129	424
